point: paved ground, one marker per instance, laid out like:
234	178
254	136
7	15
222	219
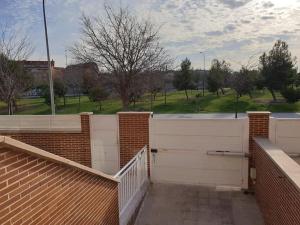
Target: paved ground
168	204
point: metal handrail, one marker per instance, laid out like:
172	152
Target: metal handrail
131	179
130	163
227	153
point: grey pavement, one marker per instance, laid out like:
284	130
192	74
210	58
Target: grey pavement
170	204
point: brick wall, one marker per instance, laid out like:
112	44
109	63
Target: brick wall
258	127
35	190
278	197
75	146
134	134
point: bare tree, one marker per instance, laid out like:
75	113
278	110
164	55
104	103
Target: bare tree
122	45
13	78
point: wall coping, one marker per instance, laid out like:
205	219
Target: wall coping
285	163
258	113
20	146
86	113
133	112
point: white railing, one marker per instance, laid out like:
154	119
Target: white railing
132	177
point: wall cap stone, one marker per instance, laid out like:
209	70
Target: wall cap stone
132	112
20	146
86	113
286	164
258	113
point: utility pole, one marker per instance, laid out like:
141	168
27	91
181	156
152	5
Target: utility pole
204	74
66	53
49	64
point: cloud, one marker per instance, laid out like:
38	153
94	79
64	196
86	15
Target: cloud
226	29
268	17
235	3
268	4
214	33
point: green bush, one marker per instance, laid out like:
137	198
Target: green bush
291	94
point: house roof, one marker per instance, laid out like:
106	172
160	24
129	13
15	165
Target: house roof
31	150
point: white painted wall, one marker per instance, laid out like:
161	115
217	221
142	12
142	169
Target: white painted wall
285	133
183	143
41	123
105	143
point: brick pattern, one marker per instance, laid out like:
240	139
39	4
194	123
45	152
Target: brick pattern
258	127
38	191
134	135
73	146
278	198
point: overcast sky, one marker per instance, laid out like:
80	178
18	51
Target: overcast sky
233	30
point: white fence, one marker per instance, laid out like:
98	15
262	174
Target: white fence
105	143
285	133
132	178
199	151
47	123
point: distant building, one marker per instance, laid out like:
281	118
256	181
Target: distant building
39	71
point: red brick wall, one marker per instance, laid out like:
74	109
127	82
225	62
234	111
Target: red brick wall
37	191
134	135
258	127
73	146
278	198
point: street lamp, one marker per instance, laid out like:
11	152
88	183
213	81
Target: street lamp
204	71
49	64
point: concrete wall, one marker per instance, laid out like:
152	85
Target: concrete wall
183	144
47	123
285	133
105	143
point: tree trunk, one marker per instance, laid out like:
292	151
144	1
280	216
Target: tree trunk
250	95
151	101
64	101
125	102
186	94
165	97
222	90
273	95
79	102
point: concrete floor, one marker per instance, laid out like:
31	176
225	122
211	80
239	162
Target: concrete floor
169	204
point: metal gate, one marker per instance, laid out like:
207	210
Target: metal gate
203	151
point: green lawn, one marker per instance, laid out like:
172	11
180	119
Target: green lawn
176	103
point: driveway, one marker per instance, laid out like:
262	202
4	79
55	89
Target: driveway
169	204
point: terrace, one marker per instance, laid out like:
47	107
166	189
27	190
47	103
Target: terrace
139	168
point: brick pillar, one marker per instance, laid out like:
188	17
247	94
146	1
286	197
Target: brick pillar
86	137
258	127
134	135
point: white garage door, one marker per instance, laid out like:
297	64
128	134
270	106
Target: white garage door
180	151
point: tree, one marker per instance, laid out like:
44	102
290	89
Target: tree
122	45
218	75
60	88
278	68
243	82
184	80
14	80
98	94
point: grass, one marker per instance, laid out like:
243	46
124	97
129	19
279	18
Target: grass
176	103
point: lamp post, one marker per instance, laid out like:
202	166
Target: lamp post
204	72
49	64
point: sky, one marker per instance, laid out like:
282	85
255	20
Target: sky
238	31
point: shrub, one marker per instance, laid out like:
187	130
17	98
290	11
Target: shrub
291	94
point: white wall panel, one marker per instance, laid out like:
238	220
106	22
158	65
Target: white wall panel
182	146
47	123
285	133
104	143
